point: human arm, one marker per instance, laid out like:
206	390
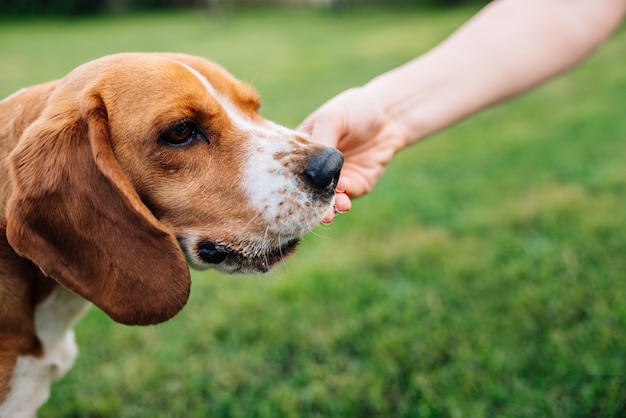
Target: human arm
507	48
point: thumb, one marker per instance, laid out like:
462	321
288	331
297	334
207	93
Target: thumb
325	129
352	183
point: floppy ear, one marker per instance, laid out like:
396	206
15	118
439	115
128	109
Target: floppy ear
74	213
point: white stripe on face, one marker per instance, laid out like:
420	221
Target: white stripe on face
238	118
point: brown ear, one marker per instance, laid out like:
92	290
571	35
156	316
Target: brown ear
74	213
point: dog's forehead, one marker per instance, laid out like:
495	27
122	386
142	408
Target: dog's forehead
219	82
165	76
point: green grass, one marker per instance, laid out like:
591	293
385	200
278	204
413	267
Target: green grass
485	275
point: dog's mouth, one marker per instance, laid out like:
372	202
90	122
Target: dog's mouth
228	260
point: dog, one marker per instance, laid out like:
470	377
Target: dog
118	177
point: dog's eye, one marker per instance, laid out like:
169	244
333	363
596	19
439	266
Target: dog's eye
181	133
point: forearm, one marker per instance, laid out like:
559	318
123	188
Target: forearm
507	48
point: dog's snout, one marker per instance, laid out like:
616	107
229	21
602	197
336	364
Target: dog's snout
323	168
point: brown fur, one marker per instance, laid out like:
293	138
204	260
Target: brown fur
89	199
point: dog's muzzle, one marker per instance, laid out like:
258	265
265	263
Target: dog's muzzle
320	176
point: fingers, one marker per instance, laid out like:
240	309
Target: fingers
330	216
342	205
326	131
342	202
326	125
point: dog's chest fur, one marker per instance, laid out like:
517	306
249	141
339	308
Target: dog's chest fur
33	375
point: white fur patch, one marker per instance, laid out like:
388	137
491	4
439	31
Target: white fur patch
275	190
32	376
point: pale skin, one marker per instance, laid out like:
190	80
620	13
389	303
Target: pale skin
507	48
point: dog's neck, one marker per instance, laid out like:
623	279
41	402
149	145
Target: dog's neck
22	284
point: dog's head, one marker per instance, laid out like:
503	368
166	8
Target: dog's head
136	156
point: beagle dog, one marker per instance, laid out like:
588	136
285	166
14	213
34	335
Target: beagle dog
114	179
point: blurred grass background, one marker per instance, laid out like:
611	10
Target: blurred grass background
485	275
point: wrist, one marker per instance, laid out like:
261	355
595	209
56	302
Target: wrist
404	103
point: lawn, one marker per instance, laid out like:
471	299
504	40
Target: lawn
485	276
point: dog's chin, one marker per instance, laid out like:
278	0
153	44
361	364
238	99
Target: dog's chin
226	260
238	263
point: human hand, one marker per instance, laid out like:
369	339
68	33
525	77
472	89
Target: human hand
356	124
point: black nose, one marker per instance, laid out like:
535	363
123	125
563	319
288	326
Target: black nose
323	168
